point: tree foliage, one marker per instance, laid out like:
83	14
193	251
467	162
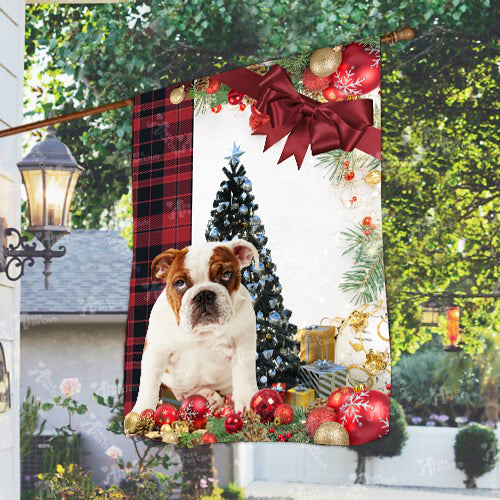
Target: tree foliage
440	225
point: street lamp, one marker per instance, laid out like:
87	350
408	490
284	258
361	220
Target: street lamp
50	173
429	315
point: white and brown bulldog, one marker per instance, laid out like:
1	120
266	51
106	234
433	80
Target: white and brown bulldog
201	336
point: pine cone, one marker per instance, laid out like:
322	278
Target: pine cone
250	417
255	433
195	442
201	84
318	402
257	68
144	425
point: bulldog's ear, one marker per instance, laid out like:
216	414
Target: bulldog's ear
161	264
244	252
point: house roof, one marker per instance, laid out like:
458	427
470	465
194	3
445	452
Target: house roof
92	278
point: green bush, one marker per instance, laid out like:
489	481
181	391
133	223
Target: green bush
233	492
476	452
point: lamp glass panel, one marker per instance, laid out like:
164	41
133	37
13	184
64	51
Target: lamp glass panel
34	191
71	192
55	195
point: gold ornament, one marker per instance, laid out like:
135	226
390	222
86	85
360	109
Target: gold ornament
331	433
170	437
359	388
257	68
268	336
325	61
180	427
144	425
199	432
201	84
130	423
277	421
317	403
373	177
177	95
153	435
165	428
249	100
375	362
358	320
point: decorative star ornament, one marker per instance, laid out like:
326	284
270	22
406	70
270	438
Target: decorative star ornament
234	154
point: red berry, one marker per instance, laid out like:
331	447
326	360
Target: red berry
349	176
281	436
346	163
288	435
388	387
243	106
216	109
367	232
373	226
354	198
367	221
271	429
389	393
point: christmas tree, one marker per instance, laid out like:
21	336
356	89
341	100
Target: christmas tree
233	217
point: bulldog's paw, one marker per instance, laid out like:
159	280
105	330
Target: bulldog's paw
242	399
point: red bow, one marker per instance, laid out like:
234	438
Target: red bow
324	126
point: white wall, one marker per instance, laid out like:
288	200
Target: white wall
11	88
427	460
91	352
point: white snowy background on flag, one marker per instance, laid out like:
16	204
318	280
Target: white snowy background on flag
302	216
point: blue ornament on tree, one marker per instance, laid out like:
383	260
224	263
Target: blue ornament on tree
255	219
258	268
274	318
247	185
243	210
260	315
214	233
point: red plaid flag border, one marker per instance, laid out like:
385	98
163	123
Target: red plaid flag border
162	174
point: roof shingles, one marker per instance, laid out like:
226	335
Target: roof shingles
92	278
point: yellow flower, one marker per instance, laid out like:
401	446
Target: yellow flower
70	468
60	469
40	476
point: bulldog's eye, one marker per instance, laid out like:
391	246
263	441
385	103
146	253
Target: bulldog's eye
227	276
180	284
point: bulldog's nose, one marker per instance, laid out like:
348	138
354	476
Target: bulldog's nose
205	297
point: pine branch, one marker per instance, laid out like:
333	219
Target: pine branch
204	102
372	41
295	65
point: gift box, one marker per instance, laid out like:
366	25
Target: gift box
167	396
279	387
317	342
323	376
299	396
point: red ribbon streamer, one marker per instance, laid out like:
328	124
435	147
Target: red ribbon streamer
323	126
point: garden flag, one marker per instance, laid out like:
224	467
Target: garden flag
257	297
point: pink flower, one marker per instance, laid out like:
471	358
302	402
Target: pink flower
70	386
114	452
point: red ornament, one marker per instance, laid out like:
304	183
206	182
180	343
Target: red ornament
359	72
233	423
165	414
338	397
365	416
313	82
317	417
285	413
367	221
264	403
349	176
222	411
234	97
257	121
332	93
213	86
367	232
216	109
148	413
208	438
243	106
195	410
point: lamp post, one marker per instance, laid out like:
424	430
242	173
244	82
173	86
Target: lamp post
429	315
50	173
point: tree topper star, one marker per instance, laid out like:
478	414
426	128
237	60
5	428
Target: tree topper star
234	154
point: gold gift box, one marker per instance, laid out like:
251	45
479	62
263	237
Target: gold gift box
317	342
299	396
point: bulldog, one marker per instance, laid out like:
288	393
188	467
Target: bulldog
201	337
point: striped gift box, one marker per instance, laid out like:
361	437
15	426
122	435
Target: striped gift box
323	376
